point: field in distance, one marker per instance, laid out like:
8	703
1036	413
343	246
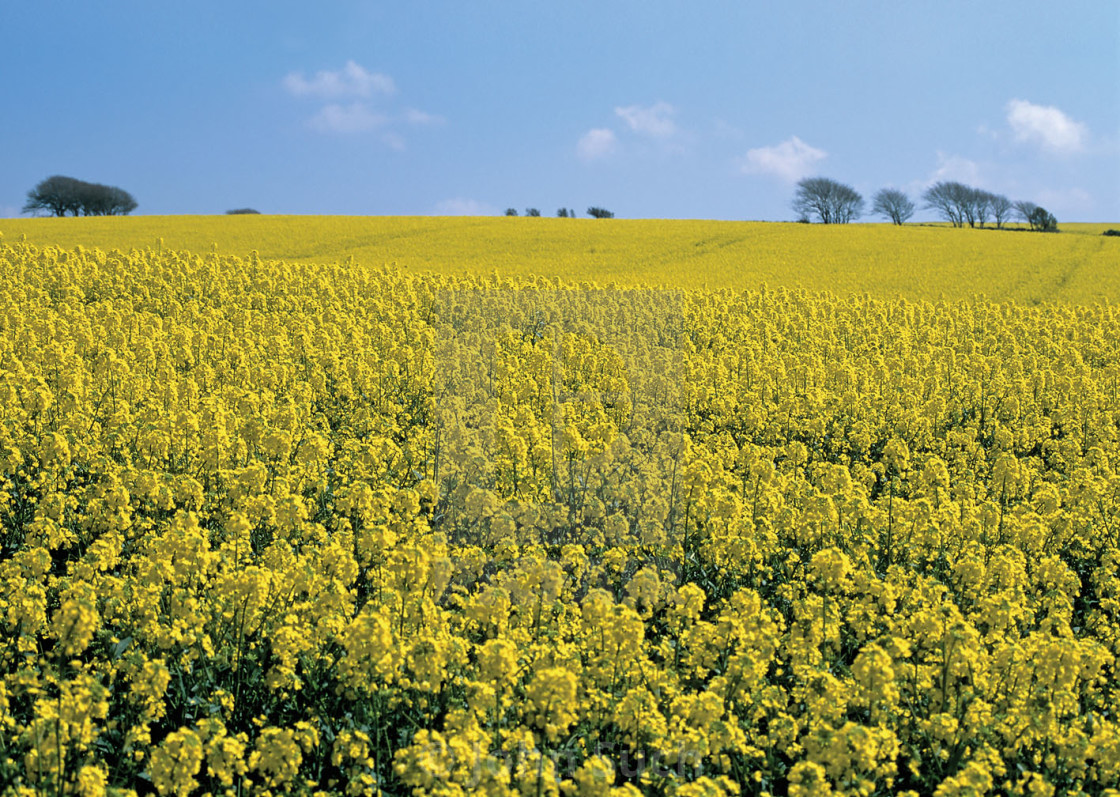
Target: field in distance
927	262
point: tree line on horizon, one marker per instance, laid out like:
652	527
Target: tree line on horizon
832	202
826	200
565	213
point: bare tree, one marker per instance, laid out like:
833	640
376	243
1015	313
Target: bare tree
1024	209
892	204
831	202
1001	208
980	206
962	204
952	201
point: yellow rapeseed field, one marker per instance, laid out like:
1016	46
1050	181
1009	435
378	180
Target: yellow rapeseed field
398	524
930	262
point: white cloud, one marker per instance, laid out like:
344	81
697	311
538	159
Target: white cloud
596	144
954	168
353	100
416	117
1045	126
352	80
791	160
655	121
356	117
461	206
394	141
721	128
645	130
987	132
950	169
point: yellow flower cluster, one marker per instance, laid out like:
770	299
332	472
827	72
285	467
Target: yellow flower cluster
276	528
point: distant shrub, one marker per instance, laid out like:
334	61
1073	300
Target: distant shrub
1042	220
1111	232
600	213
242	212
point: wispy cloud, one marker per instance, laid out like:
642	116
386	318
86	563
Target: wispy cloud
655	120
789	161
955	168
356	117
416	117
354	101
596	144
723	129
353	80
394	140
648	129
1046	126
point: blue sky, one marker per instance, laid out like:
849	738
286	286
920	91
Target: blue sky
652	109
